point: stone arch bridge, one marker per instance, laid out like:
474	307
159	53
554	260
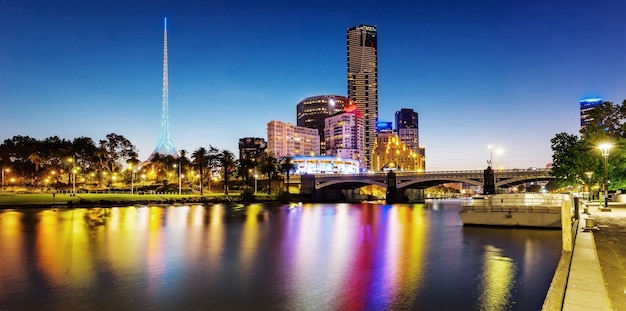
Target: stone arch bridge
332	187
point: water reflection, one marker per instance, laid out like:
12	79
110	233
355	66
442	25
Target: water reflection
310	256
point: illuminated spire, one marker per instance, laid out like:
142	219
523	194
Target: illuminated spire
164	144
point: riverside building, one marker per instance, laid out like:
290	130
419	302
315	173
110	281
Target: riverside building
344	135
287	139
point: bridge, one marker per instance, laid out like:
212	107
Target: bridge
333	186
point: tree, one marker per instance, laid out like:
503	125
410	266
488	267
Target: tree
228	164
114	151
287	167
574	157
200	160
269	167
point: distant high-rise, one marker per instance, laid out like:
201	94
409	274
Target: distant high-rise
362	59
312	111
586	105
164	144
407	128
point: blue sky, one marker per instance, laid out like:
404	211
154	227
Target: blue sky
504	73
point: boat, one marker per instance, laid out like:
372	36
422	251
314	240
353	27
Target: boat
515	210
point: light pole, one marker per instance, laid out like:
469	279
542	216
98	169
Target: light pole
4	169
255	179
604	148
490	155
73	182
179	177
132	178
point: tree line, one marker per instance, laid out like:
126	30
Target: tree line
577	160
54	161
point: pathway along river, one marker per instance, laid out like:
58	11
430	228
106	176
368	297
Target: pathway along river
273	257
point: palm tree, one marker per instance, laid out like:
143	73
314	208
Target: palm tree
200	160
228	163
287	167
269	167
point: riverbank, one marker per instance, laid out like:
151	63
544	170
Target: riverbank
39	200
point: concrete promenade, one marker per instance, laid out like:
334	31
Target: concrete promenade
594	272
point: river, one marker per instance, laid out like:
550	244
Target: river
272	257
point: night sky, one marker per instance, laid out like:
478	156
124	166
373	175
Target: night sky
504	73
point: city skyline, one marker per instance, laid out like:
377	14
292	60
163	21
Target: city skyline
483	74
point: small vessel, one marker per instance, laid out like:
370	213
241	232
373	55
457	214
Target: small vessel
516	210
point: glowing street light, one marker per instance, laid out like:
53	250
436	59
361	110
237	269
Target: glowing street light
605	148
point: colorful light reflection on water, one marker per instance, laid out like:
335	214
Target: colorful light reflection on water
302	257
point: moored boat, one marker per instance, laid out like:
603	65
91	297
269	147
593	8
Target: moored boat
516	210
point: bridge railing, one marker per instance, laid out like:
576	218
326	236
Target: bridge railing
451	172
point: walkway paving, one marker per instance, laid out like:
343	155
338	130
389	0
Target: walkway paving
585	285
597	276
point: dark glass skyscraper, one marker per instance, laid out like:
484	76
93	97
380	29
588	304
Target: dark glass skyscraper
362	59
312	111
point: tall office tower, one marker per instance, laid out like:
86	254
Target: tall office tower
286	139
251	148
407	128
362	54
344	135
164	144
312	111
586	105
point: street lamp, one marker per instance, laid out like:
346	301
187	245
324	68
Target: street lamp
74	182
3	170
132	178
255	180
604	148
179	178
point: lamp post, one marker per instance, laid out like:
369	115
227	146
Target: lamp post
490	155
73	182
604	148
3	170
255	180
132	178
179	181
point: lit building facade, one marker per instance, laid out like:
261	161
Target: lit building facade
362	61
586	105
344	135
325	165
251	147
390	153
312	111
287	139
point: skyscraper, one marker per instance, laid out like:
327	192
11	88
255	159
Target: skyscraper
164	144
312	111
586	105
407	128
362	59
